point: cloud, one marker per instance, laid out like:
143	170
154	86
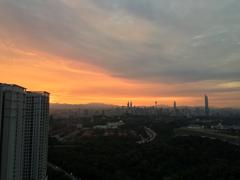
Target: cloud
150	41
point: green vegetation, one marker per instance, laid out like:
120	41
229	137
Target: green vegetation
168	157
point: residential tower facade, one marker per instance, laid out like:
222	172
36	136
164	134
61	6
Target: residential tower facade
23	133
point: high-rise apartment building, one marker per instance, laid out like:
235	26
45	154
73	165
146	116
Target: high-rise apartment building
23	133
36	136
12	116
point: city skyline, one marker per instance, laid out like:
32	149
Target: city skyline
162	101
102	51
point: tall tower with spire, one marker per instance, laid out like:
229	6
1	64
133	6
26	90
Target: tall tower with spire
131	104
174	105
206	106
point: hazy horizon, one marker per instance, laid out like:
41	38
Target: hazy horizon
102	104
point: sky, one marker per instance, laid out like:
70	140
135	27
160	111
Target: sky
112	51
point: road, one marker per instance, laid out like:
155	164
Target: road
69	175
151	136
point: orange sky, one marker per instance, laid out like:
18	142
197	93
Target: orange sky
72	82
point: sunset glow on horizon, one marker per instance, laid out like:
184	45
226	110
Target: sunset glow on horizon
114	51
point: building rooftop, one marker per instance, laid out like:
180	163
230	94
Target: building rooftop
12	86
22	89
41	93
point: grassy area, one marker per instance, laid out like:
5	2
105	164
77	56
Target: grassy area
208	133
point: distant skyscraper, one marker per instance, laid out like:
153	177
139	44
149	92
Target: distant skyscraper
174	105
23	133
206	106
131	104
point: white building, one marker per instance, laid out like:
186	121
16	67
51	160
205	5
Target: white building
23	133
